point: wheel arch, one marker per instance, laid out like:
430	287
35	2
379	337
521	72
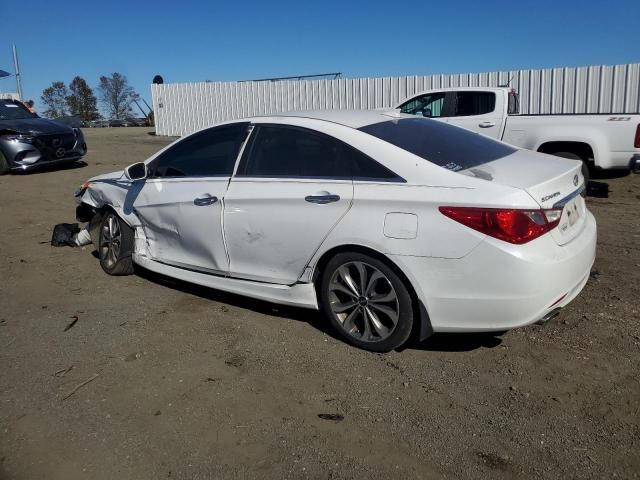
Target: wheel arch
582	149
422	328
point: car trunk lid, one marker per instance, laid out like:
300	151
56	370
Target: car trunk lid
552	182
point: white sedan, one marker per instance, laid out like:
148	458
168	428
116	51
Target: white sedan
392	225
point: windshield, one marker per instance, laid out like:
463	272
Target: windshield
445	145
13	110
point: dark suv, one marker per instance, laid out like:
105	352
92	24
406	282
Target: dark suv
28	141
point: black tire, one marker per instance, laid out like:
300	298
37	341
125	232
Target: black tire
574	156
368	324
115	245
4	165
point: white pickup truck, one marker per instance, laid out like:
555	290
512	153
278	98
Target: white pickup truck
607	141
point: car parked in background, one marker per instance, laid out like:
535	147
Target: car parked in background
607	141
389	223
28	141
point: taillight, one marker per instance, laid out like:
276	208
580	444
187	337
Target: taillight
636	142
511	225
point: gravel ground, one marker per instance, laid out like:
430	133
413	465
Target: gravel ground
185	382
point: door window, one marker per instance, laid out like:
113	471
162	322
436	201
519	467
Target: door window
210	153
428	105
474	103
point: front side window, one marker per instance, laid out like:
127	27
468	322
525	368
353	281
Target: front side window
474	103
210	153
450	147
428	105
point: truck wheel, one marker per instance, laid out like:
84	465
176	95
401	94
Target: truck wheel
573	156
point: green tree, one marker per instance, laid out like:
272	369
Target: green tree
54	98
115	94
82	101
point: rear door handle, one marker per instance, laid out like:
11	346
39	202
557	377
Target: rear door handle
322	199
487	124
204	200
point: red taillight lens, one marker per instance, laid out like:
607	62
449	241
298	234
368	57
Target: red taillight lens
636	142
511	225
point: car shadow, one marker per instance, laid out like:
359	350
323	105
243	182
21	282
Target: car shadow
439	342
312	317
52	168
456	342
598	174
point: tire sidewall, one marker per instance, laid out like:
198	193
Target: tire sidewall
123	265
402	330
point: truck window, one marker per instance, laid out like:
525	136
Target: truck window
514	104
474	103
428	105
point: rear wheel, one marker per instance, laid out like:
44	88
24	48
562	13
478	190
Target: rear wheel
115	245
574	156
366	302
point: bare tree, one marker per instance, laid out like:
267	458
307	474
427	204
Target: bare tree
81	100
54	98
115	94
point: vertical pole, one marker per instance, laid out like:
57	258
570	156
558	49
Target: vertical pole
16	66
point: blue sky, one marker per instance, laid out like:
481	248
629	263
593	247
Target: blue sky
236	40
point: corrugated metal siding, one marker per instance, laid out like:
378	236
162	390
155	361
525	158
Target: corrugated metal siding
182	108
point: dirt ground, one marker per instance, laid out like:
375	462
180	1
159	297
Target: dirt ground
185	382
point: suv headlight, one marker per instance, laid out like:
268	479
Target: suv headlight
16	137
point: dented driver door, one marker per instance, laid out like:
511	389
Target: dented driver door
180	206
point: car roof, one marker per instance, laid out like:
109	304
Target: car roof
349	118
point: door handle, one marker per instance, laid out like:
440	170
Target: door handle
205	200
322	199
487	124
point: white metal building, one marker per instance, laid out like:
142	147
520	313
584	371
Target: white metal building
181	108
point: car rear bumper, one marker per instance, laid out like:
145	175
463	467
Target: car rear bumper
499	286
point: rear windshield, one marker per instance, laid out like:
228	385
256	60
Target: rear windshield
445	145
12	110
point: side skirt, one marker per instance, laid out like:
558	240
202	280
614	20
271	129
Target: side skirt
299	295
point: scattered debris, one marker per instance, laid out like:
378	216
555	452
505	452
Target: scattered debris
158	412
79	386
72	323
209	379
64	235
333	417
63	371
131	357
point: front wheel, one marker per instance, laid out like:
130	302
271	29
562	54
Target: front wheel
115	245
366	302
4	165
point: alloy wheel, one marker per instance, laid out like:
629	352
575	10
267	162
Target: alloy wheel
363	301
110	241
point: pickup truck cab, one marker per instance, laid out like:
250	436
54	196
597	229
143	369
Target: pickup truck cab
606	141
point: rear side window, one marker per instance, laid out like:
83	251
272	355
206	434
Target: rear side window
450	147
474	103
293	152
212	152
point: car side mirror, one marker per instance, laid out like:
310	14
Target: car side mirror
136	171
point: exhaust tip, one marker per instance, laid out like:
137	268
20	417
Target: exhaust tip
549	316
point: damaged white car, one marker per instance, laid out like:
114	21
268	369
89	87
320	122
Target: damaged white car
392	225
